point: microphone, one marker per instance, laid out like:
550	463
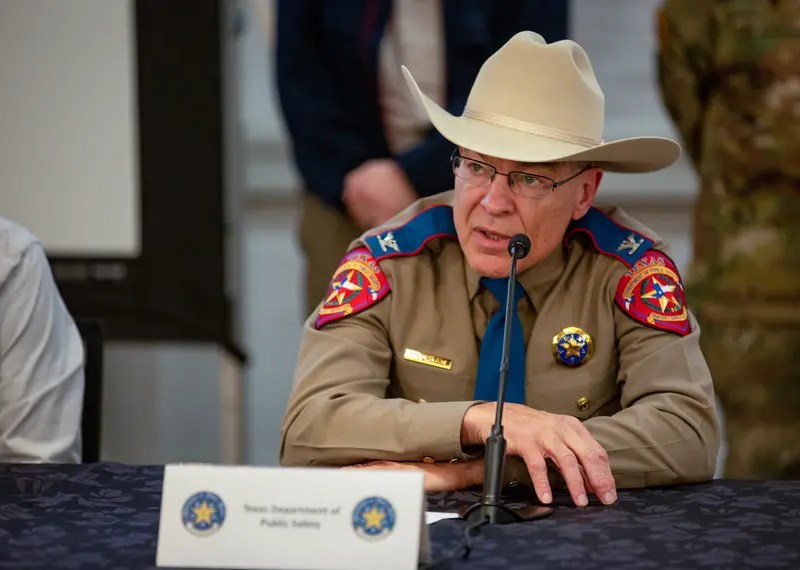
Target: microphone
491	508
519	246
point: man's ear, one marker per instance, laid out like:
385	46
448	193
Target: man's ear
591	183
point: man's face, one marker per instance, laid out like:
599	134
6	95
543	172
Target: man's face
486	216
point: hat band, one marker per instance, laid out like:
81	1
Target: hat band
532	128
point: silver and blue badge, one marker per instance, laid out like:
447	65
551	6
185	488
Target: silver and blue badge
373	518
572	346
203	513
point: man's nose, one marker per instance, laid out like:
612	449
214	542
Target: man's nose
498	198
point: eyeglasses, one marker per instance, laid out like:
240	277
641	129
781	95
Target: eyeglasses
534	186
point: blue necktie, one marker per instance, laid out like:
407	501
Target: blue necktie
492	348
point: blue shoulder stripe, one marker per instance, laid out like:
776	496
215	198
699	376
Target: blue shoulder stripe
610	238
411	237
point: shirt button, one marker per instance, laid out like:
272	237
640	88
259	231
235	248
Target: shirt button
583	403
428	459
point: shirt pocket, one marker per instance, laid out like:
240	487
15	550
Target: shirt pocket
581	393
415	381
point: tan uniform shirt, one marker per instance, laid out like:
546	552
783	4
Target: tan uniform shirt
646	395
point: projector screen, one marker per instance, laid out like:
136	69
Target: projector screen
68	142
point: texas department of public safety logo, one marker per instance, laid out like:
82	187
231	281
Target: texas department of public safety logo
373	518
572	346
203	513
357	284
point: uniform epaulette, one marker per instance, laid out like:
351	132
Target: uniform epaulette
610	238
411	237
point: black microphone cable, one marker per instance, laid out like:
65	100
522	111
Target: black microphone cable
464	549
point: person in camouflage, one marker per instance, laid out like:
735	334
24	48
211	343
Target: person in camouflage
729	72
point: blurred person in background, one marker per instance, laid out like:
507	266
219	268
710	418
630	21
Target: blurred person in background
364	149
41	358
730	78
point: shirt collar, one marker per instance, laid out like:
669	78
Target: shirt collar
537	281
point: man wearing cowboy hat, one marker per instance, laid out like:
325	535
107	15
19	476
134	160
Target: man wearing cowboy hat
607	385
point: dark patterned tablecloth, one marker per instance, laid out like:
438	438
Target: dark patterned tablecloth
106	516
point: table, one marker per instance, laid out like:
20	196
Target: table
105	515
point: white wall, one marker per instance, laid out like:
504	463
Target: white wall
161	403
68	159
619	36
268	166
273	269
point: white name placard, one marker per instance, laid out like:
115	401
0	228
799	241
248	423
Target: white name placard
267	517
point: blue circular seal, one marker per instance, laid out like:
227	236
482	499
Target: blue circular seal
373	518
203	513
572	346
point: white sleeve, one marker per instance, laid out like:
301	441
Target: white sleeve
41	367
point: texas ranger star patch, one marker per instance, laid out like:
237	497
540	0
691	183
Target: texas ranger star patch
651	292
358	283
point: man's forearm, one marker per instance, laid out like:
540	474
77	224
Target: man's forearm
370	428
669	450
439	477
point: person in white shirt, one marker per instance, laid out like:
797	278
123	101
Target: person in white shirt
41	358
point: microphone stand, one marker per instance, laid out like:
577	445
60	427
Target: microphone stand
491	507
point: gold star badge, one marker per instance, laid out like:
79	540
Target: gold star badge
374	518
572	346
203	513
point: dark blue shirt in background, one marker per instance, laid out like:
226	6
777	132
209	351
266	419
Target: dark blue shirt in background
327	75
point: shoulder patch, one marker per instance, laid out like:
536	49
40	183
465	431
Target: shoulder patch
651	292
411	237
357	284
610	238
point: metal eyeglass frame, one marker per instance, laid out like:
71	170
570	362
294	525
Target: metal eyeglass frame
455	155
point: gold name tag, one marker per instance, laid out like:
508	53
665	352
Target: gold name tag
428	359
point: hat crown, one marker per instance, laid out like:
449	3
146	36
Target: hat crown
534	85
539	102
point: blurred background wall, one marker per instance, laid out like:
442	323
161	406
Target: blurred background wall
164	401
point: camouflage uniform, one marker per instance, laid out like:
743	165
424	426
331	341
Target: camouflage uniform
730	77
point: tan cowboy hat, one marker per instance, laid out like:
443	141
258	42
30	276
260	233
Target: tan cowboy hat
539	102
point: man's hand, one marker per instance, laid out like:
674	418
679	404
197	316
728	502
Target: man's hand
438	476
537	436
376	191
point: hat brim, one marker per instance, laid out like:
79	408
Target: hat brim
635	154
